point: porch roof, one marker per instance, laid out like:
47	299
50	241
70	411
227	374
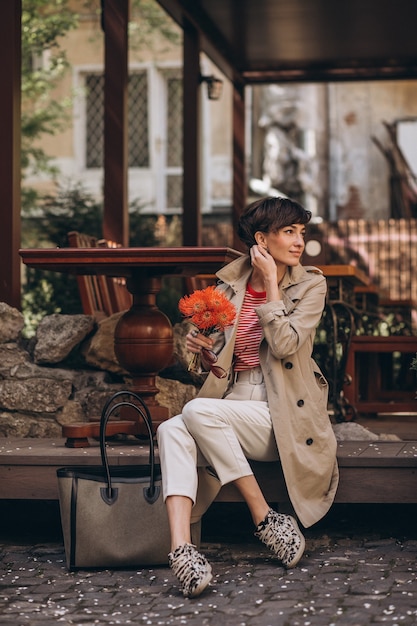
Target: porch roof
297	40
251	41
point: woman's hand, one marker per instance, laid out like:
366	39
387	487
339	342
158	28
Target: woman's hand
265	273
263	261
195	341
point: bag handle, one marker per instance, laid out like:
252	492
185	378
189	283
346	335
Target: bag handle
151	492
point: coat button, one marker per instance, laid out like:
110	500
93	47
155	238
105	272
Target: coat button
300	403
309	441
288	365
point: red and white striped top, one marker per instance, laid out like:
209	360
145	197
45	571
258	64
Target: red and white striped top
249	331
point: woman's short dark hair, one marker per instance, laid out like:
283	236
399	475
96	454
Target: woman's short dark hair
268	215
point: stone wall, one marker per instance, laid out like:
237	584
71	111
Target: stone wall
64	374
68	370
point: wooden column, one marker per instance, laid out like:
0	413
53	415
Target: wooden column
10	72
239	166
191	221
115	216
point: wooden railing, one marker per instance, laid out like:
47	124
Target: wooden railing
386	250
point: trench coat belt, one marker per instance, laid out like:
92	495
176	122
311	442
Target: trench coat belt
254	376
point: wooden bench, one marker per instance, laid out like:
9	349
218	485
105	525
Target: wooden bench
377	472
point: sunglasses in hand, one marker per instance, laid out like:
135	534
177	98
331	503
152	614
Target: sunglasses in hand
209	360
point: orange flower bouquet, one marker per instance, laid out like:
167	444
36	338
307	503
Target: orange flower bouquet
210	311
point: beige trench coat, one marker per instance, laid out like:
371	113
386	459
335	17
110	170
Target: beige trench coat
297	390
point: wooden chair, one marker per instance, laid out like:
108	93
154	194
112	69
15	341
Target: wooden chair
120	297
200	281
369	385
101	296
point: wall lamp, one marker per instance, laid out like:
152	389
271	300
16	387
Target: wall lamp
214	86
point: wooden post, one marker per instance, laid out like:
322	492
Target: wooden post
239	166
115	215
10	72
191	219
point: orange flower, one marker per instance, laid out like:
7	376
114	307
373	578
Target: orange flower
208	309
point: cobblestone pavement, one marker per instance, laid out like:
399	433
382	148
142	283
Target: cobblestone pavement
359	568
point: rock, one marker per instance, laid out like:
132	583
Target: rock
92	401
174	394
30	370
44	428
389	437
91	379
72	412
11	358
20	425
352	431
57	335
99	350
38	398
11	323
35	395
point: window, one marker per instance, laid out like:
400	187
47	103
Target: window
155	135
138	120
174	142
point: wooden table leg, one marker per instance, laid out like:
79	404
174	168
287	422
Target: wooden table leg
144	345
143	341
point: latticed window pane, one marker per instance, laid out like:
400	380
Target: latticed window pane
95	122
174	141
137	120
174	191
174	122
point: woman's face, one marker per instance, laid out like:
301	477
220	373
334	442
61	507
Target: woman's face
287	244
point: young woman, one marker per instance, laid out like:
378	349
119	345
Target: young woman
272	404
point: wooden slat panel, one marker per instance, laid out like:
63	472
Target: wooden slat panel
385	249
383	449
385	406
357	485
346	449
409	450
34	452
377	485
404	260
53	452
25	482
376	454
413	258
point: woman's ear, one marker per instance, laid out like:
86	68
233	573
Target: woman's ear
260	239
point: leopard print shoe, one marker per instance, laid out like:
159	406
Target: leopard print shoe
282	535
191	568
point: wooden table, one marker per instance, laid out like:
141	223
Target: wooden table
143	336
342	280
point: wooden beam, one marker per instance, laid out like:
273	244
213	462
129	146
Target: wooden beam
10	72
191	138
239	168
115	215
212	42
334	71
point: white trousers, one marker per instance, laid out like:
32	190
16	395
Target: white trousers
219	433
